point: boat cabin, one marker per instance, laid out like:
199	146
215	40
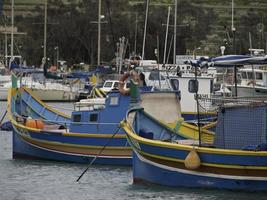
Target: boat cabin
110	85
251	76
99	116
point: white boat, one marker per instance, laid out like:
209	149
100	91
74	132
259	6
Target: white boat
50	91
171	82
4	75
253	82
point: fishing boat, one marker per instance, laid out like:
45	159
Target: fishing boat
235	159
92	130
75	139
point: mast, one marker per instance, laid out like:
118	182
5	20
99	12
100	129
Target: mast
99	33
144	39
45	32
45	29
174	37
233	28
166	36
232	15
12	33
135	34
234	47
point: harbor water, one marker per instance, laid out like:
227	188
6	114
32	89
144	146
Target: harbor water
50	180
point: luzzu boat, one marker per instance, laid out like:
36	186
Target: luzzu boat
92	130
236	159
78	139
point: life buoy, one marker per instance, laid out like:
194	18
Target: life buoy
122	80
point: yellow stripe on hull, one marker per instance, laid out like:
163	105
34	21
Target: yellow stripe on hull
80	149
158	143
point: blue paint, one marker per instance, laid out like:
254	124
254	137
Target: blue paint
145	172
163	174
108	118
25	150
92	121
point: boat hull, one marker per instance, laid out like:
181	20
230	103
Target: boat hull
146	171
161	158
247	91
57	146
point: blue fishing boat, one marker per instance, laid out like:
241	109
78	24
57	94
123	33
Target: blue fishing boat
91	131
80	138
236	159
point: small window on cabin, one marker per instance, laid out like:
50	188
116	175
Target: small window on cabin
77	118
114	101
258	75
211	86
153	76
250	75
108	84
93	117
175	84
116	84
244	75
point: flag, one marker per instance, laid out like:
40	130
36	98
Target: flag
14	81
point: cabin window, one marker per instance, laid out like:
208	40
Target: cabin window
258	75
154	76
114	101
77	118
93	117
211	86
175	84
250	75
108	84
244	75
116	84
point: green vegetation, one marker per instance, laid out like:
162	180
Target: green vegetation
202	23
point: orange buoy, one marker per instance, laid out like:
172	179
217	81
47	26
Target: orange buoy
192	160
35	123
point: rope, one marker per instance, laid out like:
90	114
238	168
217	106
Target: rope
3	117
100	152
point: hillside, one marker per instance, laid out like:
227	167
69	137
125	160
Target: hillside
249	17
